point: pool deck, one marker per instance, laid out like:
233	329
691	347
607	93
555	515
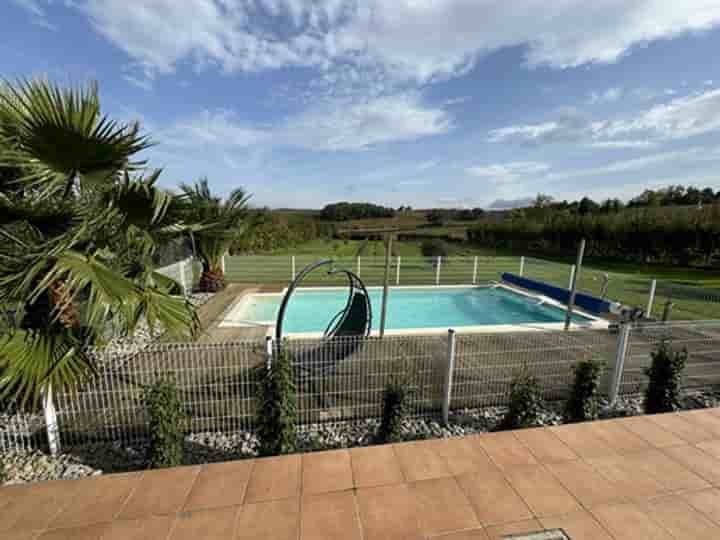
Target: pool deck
643	478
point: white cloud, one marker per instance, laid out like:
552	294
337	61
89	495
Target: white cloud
405	39
337	126
608	96
680	118
356	126
509	172
37	11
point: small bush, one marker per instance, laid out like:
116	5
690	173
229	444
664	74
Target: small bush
434	247
167	421
525	401
277	407
394	410
665	374
583	402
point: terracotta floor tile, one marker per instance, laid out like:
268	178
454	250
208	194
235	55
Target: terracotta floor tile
463	454
375	466
668	472
160	492
499	532
633	482
541	491
150	528
33	506
86	532
582	440
470	534
388	513
213	524
711	447
506	450
617	437
699	462
578	525
323	472
627	521
495	501
219	484
274	478
651	431
442	506
25	535
330	516
272	520
97	500
706	501
681	519
545	445
704	419
419	461
681	427
585	483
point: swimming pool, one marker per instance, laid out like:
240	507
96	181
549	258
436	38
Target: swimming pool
411	310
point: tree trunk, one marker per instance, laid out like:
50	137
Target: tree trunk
61	298
211	280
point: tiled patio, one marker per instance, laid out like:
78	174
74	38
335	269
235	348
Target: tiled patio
654	477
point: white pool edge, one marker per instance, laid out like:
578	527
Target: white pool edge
595	322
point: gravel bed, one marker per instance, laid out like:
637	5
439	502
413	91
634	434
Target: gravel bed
98	458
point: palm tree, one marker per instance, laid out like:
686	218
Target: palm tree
75	222
220	224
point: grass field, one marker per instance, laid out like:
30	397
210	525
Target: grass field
694	292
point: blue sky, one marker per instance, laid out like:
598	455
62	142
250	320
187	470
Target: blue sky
424	102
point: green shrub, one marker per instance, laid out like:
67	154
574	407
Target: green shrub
277	407
434	247
524	403
394	410
583	402
167	421
665	374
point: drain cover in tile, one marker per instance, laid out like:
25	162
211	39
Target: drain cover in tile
554	534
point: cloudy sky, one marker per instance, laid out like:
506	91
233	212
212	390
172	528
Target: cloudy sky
421	102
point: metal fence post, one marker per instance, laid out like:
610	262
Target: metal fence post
623	341
222	263
397	271
447	386
438	262
522	266
651	298
183	278
358	266
268	352
572	276
51	423
292	262
475	265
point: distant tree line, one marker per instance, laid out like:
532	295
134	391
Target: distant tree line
664	235
343	211
439	216
270	231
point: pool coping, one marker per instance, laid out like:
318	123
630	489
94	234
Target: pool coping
595	322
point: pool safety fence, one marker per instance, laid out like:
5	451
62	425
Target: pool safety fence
343	380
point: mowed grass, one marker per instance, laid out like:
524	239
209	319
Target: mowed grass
695	293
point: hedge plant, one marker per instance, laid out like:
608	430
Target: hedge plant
394	411
167	421
277	406
524	402
582	405
665	376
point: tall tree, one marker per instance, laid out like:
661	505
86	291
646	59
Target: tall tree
71	211
221	223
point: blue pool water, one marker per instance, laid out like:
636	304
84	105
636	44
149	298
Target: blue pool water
312	310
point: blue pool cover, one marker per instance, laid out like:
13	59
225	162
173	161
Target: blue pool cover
589	303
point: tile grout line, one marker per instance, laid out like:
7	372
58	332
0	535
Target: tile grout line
300	497
243	501
356	503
